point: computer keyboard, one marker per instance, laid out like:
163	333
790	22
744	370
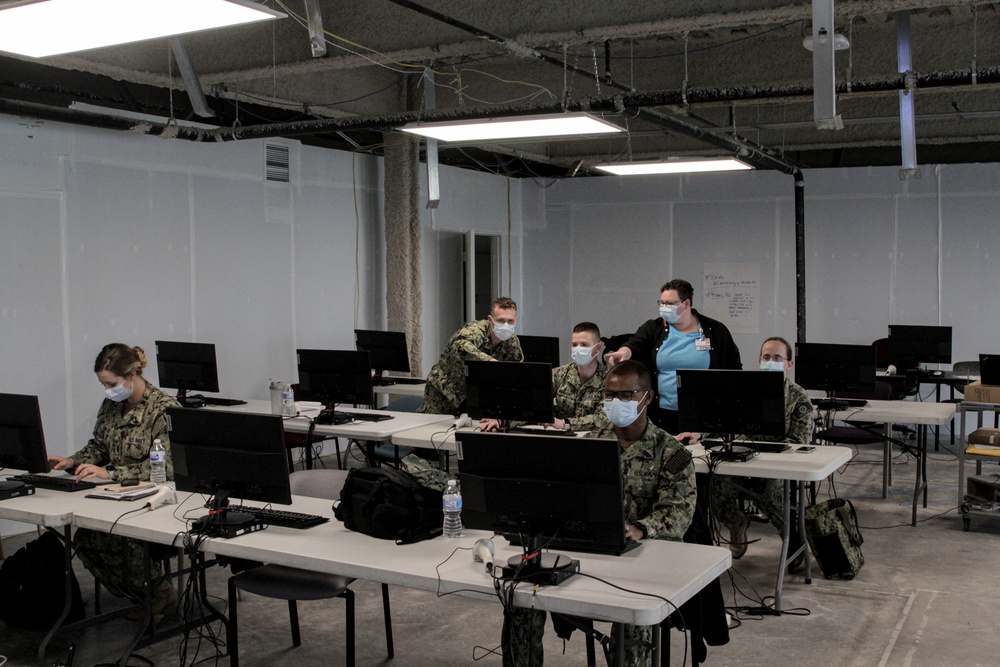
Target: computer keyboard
388	381
281	518
343	417
826	403
215	400
541	431
766	447
54	483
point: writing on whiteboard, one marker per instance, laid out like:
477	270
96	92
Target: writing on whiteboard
732	296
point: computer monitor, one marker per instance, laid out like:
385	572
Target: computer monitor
509	390
387	350
334	376
540	349
229	455
910	346
22	442
730	403
543	491
835	369
187	367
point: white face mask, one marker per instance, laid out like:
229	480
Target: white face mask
119	392
622	413
503	331
772	366
669	313
582	356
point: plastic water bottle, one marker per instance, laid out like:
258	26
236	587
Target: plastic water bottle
452	505
288	401
157	463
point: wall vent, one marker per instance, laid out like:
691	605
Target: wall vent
276	169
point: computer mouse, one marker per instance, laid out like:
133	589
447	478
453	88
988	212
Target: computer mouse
937	373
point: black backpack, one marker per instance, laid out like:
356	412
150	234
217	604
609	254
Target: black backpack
389	504
32	590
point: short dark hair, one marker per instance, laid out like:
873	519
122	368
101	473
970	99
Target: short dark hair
503	303
588	327
788	348
635	369
682	287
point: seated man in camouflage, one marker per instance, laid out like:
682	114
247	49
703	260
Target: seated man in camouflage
491	339
658	481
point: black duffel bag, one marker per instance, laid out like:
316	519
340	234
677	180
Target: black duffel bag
835	538
389	504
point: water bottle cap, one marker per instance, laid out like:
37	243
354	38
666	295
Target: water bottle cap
452	481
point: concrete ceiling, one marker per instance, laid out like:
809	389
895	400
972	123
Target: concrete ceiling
684	77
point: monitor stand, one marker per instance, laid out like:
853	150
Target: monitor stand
730	452
192	402
220	522
14	489
831	403
545	569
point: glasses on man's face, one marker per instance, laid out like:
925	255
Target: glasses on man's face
772	357
624	394
668	303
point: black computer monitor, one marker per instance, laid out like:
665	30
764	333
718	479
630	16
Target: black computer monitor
541	349
187	367
229	455
509	390
848	370
22	442
333	377
387	350
730	403
543	491
910	346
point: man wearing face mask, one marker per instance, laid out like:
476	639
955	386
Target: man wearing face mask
491	339
132	415
659	500
578	387
775	355
680	337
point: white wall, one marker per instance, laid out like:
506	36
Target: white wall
107	236
878	250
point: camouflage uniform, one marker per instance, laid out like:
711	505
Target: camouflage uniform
659	483
766	493
444	393
123	440
582	403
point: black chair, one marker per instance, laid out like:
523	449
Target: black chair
959	368
393	454
306	441
292	584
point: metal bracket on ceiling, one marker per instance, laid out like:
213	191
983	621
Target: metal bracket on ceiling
191	81
314	19
825	114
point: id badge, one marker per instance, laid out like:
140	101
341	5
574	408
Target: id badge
703	345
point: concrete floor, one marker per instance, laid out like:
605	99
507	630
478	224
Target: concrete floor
926	597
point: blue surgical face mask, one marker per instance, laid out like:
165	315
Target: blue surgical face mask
772	366
622	413
669	313
582	356
503	331
119	392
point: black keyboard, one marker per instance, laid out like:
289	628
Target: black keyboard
388	381
826	403
342	417
767	447
215	400
539	431
282	518
54	483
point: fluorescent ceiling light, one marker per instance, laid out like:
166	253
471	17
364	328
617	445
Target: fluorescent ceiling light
840	43
51	27
674	166
518	127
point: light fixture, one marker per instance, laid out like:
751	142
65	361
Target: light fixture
51	27
840	43
514	127
679	166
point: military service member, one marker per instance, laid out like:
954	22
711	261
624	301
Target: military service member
132	415
659	484
491	339
577	387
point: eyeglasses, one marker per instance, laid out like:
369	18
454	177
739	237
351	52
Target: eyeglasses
668	303
624	394
772	357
